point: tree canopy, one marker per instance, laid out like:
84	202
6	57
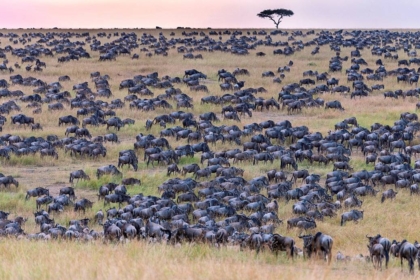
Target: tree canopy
276	15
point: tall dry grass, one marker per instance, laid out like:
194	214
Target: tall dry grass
28	260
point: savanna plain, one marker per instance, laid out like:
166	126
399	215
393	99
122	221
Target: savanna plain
21	258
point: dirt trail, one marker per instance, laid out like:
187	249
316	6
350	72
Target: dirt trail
52	177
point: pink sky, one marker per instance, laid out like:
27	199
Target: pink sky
207	13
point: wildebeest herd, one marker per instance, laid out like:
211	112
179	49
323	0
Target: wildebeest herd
207	153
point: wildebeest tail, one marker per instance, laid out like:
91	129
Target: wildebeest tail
411	261
383	199
168	232
386	257
342	220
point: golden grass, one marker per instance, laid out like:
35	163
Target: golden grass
69	260
29	260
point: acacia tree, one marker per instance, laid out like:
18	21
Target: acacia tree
276	15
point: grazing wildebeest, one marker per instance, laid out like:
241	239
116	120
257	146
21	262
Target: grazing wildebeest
131	181
334	105
319	243
107	170
78	174
8	180
306	224
189	197
352	201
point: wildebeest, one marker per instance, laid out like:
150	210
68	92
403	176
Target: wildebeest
352	201
82	204
68	119
282	243
191	168
388	194
116	198
334	105
131	181
377	253
172	168
407	251
37	192
68	191
353	215
78	174
128	160
319	243
107	170
386	244
6	181
43	200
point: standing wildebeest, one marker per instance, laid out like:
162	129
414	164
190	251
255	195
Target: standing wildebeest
43	200
68	119
172	168
353	215
377	253
378	239
128	160
37	192
288	160
414	189
301	174
78	174
316	244
82	205
282	243
408	251
68	191
116	198
388	194
154	230
191	168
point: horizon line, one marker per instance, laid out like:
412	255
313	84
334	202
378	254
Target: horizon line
210	28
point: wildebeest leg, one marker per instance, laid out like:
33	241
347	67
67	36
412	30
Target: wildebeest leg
401	262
